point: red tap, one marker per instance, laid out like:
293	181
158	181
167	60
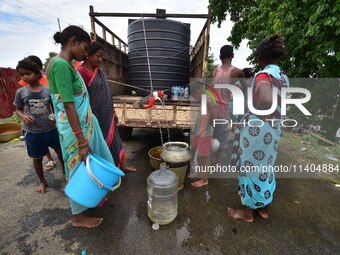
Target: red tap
160	94
152	100
151	103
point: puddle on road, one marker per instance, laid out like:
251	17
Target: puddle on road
46	217
183	234
24	247
53	180
55	216
33	225
28	180
30	223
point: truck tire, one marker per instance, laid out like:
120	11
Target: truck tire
125	132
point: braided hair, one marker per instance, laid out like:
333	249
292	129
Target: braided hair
271	49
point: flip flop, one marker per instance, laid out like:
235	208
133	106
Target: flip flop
50	165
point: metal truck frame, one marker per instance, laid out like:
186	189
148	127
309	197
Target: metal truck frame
175	114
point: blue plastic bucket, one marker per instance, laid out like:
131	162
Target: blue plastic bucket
91	182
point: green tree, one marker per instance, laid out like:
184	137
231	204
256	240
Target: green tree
311	30
50	55
211	65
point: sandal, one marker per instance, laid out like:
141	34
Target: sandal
50	165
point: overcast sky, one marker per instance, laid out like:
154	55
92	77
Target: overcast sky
27	26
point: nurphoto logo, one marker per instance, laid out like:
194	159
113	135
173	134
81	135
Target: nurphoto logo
239	109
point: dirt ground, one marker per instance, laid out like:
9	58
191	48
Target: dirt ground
304	215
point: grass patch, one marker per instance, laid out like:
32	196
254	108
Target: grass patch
333	180
309	139
13	119
313	153
337	149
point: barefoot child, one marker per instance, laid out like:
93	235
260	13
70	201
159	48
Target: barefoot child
33	106
202	134
43	80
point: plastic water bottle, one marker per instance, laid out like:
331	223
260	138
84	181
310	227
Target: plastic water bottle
172	92
186	93
175	97
181	93
162	196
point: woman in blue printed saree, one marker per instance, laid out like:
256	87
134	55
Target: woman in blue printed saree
255	146
78	128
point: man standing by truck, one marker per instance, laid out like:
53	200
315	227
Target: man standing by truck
226	73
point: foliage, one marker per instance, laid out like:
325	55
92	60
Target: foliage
50	55
13	119
311	30
211	65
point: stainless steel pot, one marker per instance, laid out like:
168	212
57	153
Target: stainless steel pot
176	154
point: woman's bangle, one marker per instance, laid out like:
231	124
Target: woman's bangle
83	145
77	132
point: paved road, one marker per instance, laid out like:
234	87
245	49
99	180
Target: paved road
304	216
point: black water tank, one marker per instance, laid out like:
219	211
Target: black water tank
168	43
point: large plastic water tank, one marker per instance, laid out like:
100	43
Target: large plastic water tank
168	43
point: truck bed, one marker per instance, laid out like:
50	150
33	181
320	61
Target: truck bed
175	114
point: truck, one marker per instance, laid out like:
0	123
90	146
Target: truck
175	114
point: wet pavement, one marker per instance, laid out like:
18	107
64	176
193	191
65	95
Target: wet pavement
304	216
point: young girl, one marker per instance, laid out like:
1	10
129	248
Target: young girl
33	106
257	147
102	104
43	80
78	128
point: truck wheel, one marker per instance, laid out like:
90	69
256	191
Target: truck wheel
125	132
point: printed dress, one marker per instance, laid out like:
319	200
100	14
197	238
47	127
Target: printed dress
62	75
255	149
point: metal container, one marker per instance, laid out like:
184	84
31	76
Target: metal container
177	156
